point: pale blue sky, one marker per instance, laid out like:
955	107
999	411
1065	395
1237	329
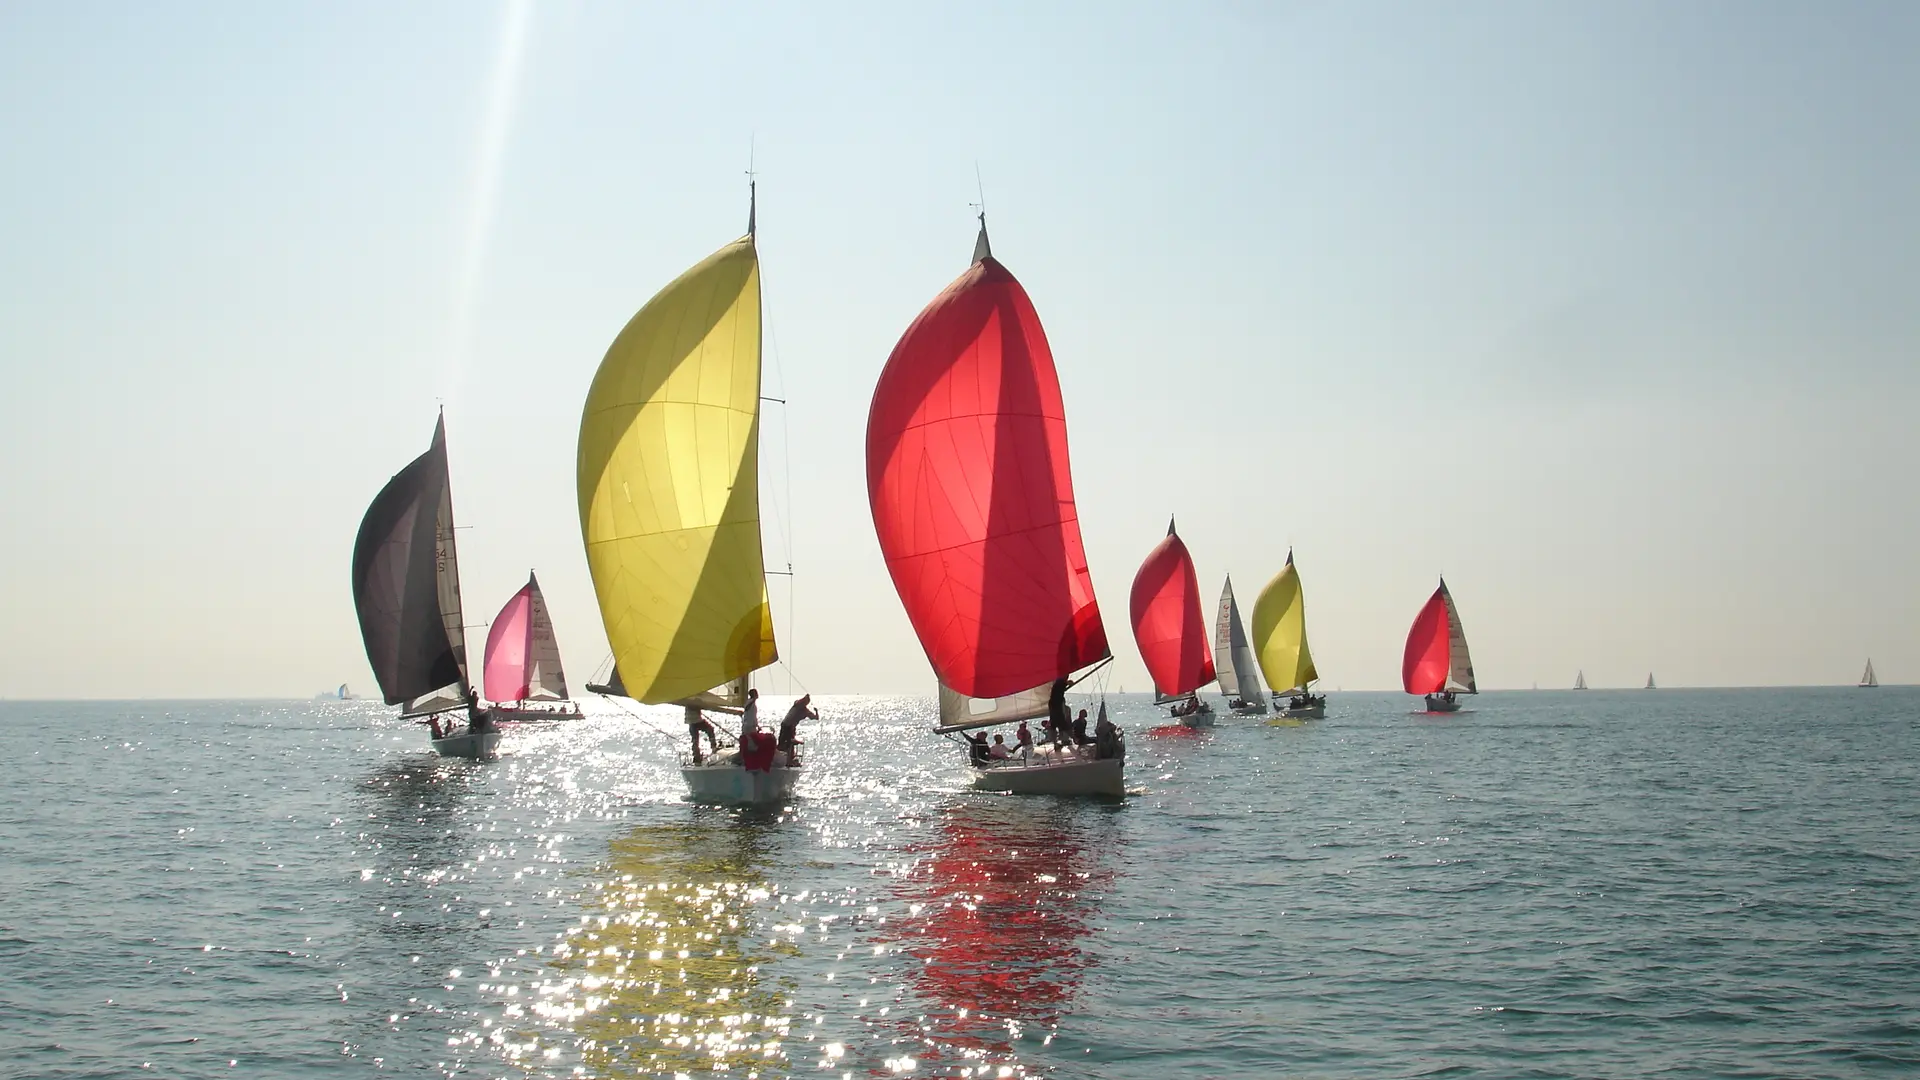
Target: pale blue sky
1607	310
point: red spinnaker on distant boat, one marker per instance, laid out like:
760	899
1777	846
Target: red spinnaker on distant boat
1174	636
510	649
1424	670
972	500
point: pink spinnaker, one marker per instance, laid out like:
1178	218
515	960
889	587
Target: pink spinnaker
510	649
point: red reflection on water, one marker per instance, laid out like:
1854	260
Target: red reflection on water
1004	888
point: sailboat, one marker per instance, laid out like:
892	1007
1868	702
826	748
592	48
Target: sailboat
1233	659
522	664
1280	638
1867	677
406	590
1650	685
1171	631
972	500
1436	662
669	469
1580	681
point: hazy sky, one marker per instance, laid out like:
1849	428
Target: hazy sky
1609	312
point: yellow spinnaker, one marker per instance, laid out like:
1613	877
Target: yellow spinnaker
669	484
1280	632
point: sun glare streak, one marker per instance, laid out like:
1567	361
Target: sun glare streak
503	87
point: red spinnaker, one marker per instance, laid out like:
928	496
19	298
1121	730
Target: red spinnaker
510	649
1424	670
1174	636
972	500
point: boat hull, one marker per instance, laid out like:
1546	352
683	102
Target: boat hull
478	747
1248	708
726	783
1436	703
1310	712
1201	719
1044	775
499	712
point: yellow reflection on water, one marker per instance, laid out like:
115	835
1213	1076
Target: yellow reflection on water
662	974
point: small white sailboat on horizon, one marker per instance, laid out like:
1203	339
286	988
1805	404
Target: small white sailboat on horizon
669	465
1650	685
1580	681
1437	663
1868	678
406	591
1233	658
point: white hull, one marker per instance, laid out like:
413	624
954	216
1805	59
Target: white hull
467	745
1201	719
1248	708
1436	703
1043	774
1309	712
725	782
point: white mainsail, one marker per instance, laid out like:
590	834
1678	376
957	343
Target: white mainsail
1867	677
1580	681
1460	664
958	712
546	681
1234	666
446	581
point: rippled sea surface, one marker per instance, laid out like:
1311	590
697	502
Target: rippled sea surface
1608	884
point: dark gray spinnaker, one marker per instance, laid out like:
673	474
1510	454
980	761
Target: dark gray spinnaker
406	587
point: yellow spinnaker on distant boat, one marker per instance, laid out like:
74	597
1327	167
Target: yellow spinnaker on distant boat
669	484
1280	632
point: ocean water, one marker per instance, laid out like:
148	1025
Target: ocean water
1608	884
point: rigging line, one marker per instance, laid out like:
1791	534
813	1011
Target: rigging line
792	677
626	706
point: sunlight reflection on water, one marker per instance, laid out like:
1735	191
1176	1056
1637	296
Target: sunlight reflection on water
284	885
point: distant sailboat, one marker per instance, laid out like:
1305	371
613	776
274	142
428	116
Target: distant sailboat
1650	685
972	499
1233	657
1580	681
669	467
1171	630
406	589
1436	663
522	663
1867	677
1280	636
